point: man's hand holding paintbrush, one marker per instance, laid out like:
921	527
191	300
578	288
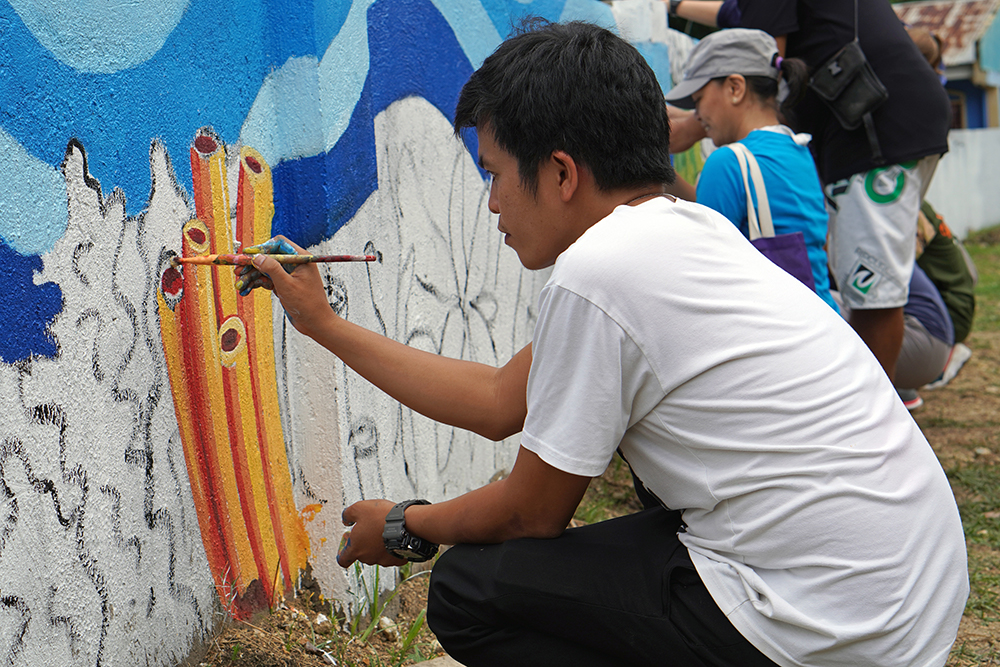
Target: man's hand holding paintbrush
250	277
299	287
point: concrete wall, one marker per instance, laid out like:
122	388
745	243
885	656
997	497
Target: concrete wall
169	452
964	189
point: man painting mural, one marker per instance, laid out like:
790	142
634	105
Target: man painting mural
809	522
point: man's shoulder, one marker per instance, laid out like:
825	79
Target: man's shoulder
627	237
657	239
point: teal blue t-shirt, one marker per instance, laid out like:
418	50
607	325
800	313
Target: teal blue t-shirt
793	191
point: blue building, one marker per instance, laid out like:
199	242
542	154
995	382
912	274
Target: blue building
970	41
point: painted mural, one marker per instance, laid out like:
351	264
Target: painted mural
171	453
220	359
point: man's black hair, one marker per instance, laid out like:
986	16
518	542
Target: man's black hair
574	87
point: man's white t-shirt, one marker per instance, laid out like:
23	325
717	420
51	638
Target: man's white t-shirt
817	514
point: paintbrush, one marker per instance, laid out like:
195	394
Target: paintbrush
244	260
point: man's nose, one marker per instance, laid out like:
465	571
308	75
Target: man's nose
492	202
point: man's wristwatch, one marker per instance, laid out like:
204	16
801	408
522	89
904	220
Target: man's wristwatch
399	542
674	4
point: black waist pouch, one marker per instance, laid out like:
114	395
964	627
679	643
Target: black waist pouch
848	85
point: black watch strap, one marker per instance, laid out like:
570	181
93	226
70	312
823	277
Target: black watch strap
674	4
399	542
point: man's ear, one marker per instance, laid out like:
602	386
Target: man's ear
566	174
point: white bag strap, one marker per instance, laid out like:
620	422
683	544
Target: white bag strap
749	162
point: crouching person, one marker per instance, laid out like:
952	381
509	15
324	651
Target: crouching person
800	517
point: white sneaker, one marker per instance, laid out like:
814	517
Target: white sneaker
911	399
960	353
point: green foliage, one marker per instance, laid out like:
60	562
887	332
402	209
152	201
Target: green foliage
977	490
411	636
979	502
609	495
370	608
963	654
987	260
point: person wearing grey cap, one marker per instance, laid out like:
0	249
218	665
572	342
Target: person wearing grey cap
731	79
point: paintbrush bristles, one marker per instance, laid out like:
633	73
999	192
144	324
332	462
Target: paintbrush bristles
244	260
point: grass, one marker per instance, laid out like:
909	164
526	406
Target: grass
977	488
609	495
372	607
984	248
363	635
976	480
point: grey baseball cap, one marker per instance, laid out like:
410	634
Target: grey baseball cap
732	51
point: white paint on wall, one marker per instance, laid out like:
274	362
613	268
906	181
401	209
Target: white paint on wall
101	560
646	21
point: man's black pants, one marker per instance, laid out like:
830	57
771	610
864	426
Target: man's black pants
621	592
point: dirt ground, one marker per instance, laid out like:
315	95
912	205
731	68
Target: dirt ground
960	420
291	637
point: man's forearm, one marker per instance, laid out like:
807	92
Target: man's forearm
536	500
685	129
484	399
699	11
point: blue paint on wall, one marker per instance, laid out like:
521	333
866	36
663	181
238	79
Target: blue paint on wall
33	211
658	57
101	36
316	196
329	16
597	13
208	72
26	309
505	13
